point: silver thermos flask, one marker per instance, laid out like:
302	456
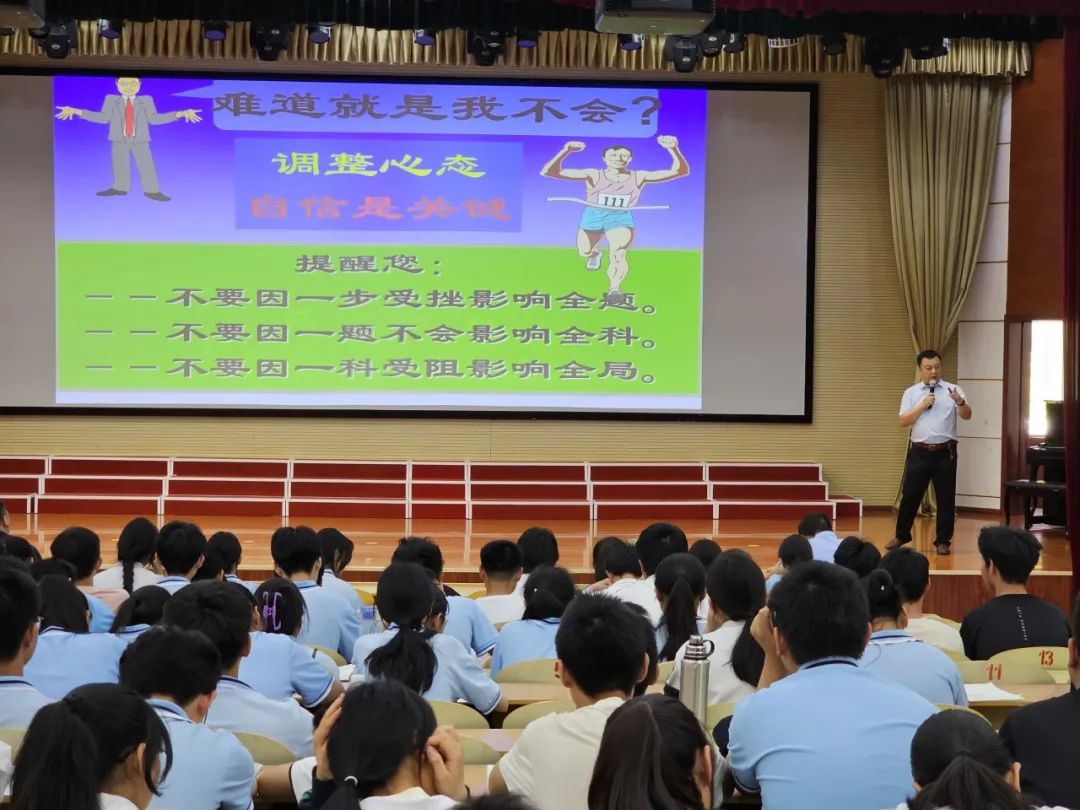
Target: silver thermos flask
694	681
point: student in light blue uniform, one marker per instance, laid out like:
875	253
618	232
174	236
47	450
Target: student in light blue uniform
465	621
818	529
434	664
67	654
793	550
178	673
547	594
821	732
20	606
101	747
337	551
227	545
222	612
140	612
180	549
278	666
329	621
680	586
81	548
902	658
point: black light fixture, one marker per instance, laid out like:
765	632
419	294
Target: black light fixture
59	39
883	56
494	39
683	52
928	48
735	42
482	52
424	37
270	39
7	32
834	43
631	42
712	43
215	30
528	37
319	33
110	28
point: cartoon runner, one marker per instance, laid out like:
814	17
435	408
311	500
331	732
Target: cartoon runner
611	196
130	117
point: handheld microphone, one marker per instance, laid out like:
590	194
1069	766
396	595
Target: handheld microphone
933	390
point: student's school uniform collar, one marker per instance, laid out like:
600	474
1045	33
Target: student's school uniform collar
230	681
174	578
883	634
107	801
168	707
234	578
133	630
828	661
52	628
304	584
14	680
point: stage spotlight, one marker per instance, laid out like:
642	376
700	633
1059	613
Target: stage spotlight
883	56
319	33
528	37
735	42
683	52
270	39
930	48
834	44
215	30
59	39
110	28
712	43
631	42
424	37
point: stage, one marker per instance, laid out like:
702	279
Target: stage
956	586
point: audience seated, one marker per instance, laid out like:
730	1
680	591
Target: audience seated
212	568
501	566
382	751
230	552
465	621
141	611
625	582
706	550
135	553
857	555
824	733
959	763
736	590
82	548
1012	618
538	547
653	754
599	555
337	551
20	606
100	748
20	548
680	587
547	594
278	666
436	665
1044	738
601	658
793	550
647	634
817	528
222	613
178	673
67	653
895	654
654	544
329	620
910	572
180	550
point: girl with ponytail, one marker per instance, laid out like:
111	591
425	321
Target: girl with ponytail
680	588
100	748
958	762
654	755
547	594
140	612
894	654
135	552
435	665
379	747
736	590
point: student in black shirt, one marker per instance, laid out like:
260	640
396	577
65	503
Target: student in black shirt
1045	739
1012	618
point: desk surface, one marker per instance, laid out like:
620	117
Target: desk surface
1031	692
501	739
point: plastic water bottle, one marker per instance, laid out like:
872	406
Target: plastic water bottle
694	682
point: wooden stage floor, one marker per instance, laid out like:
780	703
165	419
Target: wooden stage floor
461	540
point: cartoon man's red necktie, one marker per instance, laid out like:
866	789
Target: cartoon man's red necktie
129	119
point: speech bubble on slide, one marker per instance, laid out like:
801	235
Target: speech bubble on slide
418	109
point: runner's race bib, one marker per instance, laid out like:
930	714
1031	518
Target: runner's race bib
613	200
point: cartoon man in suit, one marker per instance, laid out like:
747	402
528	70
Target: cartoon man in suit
130	117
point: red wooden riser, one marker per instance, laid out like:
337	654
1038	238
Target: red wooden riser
427	491
651	492
104	486
438	472
773	511
349	471
18	504
22	466
530	492
754	472
227	488
646	472
152	468
393	491
527	472
230	469
778	491
253	508
27	485
99	505
530	511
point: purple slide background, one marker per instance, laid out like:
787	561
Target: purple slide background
195	164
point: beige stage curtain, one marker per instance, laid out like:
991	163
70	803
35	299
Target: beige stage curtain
176	40
942	135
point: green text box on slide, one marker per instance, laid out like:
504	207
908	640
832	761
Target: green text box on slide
118	330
